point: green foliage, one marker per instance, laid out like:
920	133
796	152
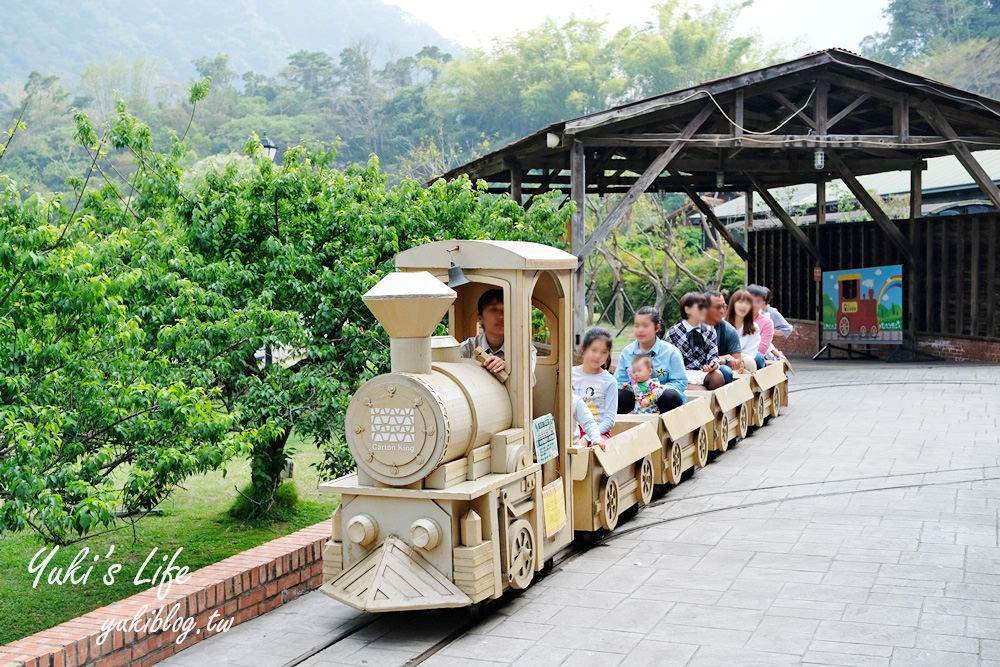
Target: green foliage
957	41
132	325
916	27
420	113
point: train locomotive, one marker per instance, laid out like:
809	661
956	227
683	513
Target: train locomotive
468	483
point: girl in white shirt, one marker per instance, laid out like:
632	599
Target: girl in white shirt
741	314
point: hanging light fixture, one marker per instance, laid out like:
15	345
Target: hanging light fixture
720	179
819	159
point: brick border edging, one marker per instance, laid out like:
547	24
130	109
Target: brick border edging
240	587
802	343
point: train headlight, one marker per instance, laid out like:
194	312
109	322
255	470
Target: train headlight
362	529
425	534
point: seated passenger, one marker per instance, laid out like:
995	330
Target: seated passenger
644	386
668	365
592	381
763	304
764	323
588	427
730	351
697	343
742	316
491	338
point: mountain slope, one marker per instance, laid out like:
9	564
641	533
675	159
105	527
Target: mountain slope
59	36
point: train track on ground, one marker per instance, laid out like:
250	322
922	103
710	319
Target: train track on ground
455	624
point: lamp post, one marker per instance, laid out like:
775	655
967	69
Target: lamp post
270	150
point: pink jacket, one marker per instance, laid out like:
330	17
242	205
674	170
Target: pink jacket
766	332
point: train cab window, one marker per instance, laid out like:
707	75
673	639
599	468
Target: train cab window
849	289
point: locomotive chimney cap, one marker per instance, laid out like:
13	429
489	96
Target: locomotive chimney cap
409	304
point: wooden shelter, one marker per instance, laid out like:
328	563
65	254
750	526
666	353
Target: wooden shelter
830	114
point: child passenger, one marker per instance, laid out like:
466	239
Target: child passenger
592	381
668	365
588	427
644	386
697	342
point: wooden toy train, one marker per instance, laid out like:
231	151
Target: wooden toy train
461	493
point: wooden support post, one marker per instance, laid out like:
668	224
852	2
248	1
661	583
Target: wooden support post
648	176
515	183
916	193
709	214
821	202
578	193
916	203
785	219
747	228
869	204
933	115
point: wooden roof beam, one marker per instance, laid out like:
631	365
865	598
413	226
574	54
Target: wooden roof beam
846	111
787	103
709	214
661	140
786	220
958	148
874	209
651	173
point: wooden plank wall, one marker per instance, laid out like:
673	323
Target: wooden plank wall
957	294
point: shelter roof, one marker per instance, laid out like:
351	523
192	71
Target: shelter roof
767	123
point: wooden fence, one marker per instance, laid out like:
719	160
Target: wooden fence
955	290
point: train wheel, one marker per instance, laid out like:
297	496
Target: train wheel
722	434
743	421
522	554
673	463
844	327
645	481
775	401
609	505
873	332
863	331
702	451
760	409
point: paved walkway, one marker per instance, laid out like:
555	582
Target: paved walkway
787	549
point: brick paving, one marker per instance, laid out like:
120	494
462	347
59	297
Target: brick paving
787	549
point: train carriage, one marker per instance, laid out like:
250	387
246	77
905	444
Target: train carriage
459	494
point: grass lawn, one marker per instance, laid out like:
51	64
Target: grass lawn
194	518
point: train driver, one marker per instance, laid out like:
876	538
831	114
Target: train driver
491	338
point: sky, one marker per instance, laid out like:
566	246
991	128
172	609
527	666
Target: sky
804	25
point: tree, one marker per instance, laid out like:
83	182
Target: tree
686	46
918	26
134	322
95	424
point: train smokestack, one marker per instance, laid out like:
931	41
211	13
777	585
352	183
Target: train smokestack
409	306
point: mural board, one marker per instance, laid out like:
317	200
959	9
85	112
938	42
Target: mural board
863	306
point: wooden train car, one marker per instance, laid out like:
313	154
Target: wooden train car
684	434
469	482
732	405
608	481
770	392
